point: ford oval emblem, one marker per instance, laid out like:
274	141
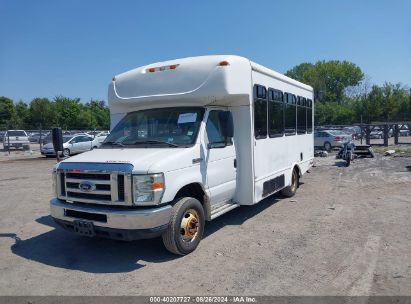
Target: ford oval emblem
87	186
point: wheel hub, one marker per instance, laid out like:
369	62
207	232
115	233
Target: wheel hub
189	225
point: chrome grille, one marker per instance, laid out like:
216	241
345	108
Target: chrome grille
108	188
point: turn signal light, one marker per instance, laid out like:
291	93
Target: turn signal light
155	186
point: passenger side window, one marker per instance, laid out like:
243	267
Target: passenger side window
301	115
260	112
290	115
275	113
309	116
214	133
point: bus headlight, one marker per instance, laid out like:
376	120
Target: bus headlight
148	189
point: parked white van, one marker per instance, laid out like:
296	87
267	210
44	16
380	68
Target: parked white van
190	140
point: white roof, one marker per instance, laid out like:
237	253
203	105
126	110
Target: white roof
192	81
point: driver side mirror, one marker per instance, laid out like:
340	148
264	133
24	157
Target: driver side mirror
226	123
57	138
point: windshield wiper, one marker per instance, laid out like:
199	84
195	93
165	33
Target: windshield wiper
154	142
112	143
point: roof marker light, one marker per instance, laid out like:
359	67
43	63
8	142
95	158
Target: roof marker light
114	78
162	68
223	63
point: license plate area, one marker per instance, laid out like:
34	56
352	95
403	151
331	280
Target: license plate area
84	228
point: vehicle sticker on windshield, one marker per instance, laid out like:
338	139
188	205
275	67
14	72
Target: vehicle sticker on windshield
189	133
186	118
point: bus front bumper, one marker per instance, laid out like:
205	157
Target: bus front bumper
109	222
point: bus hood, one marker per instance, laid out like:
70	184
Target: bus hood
144	160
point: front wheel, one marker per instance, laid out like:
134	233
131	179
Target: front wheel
186	226
327	146
292	189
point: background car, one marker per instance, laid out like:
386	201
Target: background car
329	139
35	137
376	133
72	145
16	139
354	131
404	131
101	136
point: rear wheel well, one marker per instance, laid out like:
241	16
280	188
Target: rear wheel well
298	170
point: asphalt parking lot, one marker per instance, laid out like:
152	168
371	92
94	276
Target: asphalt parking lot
346	232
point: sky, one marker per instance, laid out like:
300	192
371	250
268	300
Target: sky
74	48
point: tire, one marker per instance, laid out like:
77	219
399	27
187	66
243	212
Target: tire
327	146
26	147
177	239
290	191
95	147
66	152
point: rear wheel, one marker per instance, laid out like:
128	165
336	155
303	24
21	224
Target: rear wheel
327	146
292	189
186	226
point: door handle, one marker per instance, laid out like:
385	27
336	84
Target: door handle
197	160
235	163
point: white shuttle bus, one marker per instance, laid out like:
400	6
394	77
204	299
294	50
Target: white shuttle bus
191	139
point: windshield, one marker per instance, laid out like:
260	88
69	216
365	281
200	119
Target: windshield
169	127
67	138
16	133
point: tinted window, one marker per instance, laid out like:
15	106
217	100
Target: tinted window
309	116
260	112
275	113
301	116
290	116
16	133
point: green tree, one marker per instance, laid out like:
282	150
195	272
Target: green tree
20	118
41	113
328	78
7	112
67	110
100	116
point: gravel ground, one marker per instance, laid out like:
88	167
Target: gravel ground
346	232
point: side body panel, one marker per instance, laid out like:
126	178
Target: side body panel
277	156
